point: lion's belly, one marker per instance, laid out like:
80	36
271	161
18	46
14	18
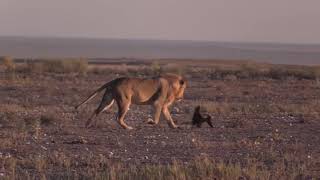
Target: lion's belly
144	92
140	98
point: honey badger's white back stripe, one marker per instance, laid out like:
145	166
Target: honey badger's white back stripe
94	94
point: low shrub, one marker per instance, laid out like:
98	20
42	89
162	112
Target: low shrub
66	66
63	66
9	63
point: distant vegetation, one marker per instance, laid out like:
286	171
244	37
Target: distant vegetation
76	65
8	63
240	70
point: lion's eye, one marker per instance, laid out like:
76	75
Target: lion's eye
181	82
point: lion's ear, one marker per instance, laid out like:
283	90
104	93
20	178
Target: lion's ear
181	82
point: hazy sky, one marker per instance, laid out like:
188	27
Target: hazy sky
296	21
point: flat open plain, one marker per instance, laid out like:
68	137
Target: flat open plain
266	125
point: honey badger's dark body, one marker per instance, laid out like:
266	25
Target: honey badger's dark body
198	119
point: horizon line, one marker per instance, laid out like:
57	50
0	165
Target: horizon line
155	39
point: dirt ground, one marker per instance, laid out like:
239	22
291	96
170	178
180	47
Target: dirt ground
38	118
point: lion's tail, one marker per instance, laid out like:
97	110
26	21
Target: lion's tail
94	94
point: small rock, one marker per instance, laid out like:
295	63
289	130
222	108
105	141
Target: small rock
110	154
150	121
44	148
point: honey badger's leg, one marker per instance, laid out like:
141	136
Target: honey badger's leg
209	121
106	102
199	123
196	117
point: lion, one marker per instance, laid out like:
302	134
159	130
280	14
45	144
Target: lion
160	92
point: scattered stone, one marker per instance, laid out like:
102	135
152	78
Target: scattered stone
44	148
110	154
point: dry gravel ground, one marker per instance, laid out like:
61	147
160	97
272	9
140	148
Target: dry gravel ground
37	119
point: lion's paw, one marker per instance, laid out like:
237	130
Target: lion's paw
129	128
174	126
150	121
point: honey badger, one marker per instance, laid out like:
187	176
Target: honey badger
198	119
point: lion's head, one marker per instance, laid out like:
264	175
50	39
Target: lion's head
178	85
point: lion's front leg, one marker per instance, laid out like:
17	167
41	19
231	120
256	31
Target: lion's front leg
157	113
168	117
123	107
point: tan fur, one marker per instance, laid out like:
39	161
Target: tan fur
159	91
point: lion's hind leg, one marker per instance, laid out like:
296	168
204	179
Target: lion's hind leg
106	102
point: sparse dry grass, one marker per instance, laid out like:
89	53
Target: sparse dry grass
79	66
223	108
268	155
202	167
214	107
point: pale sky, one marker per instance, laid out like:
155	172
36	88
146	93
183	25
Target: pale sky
287	21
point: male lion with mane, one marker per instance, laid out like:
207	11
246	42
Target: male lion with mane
160	91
